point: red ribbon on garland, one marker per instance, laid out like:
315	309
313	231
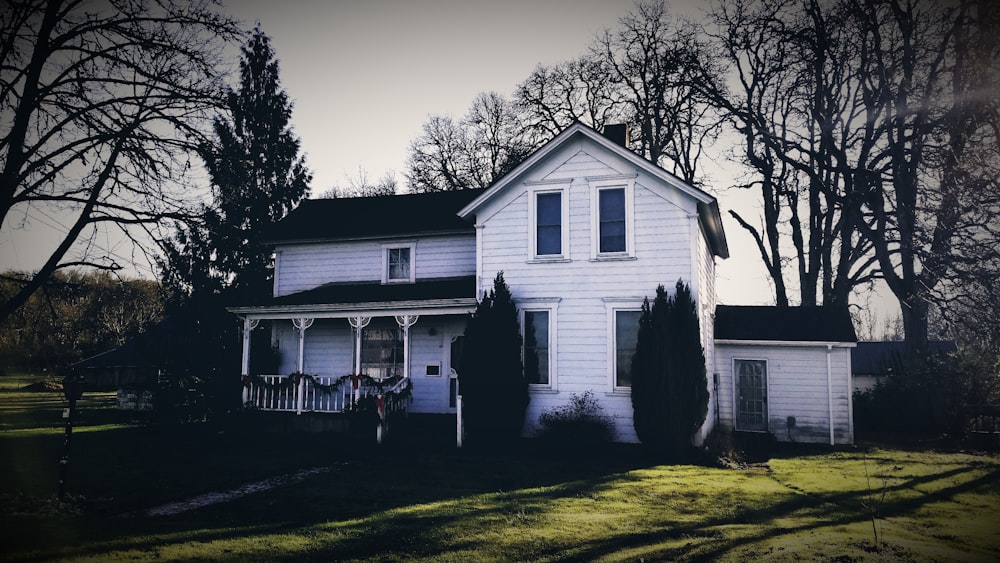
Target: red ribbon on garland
355	381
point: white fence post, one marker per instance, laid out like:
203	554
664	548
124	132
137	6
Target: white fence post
458	417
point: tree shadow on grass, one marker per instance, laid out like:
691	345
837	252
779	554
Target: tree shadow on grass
406	502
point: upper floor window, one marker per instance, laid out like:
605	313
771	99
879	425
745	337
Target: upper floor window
612	219
548	223
611	208
548	226
397	263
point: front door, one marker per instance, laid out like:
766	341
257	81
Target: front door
751	394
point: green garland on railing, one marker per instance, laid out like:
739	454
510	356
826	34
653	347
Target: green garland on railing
355	381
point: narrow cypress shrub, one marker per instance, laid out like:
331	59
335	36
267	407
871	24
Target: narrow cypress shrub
669	380
649	373
491	377
688	398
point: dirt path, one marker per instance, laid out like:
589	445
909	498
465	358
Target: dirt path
208	499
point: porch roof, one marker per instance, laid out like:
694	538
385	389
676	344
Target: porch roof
435	296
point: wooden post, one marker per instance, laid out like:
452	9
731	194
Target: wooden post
458	421
302	325
73	390
248	326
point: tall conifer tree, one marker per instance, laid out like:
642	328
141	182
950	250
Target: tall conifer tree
258	176
491	375
669	379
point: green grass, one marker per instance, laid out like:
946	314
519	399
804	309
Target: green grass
431	502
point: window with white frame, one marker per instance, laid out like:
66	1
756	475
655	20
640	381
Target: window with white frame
612	230
548	223
548	228
397	266
382	352
537	327
626	337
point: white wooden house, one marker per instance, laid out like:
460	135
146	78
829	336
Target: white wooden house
583	230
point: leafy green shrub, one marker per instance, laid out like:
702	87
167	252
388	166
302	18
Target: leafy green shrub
580	422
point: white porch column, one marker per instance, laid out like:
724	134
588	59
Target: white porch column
405	322
248	326
358	324
301	324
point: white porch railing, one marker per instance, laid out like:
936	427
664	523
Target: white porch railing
327	394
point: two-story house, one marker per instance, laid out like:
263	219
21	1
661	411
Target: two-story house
583	231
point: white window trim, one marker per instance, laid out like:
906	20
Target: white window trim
767	394
549	307
613	306
386	247
596	186
533	193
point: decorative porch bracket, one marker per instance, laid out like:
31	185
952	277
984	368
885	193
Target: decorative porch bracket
248	326
301	325
405	322
358	324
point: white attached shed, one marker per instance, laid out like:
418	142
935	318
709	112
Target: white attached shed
785	371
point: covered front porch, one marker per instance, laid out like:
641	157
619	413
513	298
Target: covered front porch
383	358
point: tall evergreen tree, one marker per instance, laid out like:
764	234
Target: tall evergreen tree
258	176
650	365
669	380
688	404
491	377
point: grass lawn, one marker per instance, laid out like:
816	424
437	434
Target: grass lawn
407	501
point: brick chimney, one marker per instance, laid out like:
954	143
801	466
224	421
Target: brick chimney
617	132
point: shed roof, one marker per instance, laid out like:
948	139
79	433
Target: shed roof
783	324
884	358
375	217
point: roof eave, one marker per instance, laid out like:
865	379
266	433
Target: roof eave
457	305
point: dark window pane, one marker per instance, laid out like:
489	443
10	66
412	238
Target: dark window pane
536	347
549	223
626	336
382	352
612	220
399	263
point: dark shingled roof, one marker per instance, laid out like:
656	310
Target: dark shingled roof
347	293
883	358
364	217
788	324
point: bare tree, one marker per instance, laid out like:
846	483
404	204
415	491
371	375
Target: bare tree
552	98
929	78
363	185
792	101
469	153
640	73
102	106
652	59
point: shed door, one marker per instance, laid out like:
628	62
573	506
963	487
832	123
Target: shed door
751	394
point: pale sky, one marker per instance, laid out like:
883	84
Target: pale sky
364	77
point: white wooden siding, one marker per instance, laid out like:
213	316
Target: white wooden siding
796	386
663	254
306	266
328	349
329	346
706	318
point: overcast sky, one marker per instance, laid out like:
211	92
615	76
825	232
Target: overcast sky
365	75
